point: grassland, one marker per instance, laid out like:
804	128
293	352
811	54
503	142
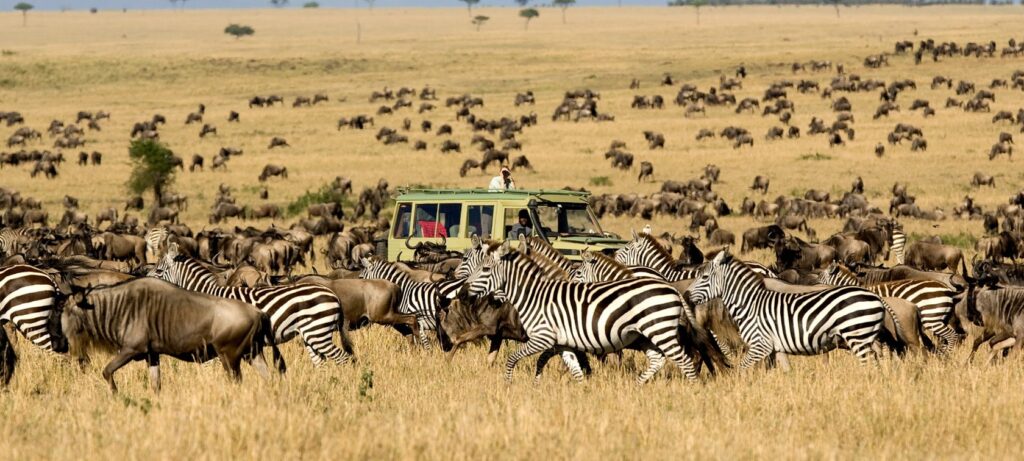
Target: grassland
137	63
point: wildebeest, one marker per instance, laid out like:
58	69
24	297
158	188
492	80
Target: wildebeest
654	140
761	183
197	163
273	170
646	171
999	149
980	179
145	318
277	142
933	256
762	237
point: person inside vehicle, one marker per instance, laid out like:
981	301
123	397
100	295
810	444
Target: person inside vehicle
521	227
503	181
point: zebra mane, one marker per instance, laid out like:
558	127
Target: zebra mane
531	265
621	270
658	248
846	272
541	246
546	266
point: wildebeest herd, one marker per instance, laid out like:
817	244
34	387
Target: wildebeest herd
155	287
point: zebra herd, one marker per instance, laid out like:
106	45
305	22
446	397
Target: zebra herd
636	298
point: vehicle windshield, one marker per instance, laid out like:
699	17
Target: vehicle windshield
567	220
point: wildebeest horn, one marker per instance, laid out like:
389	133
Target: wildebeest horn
444	240
407	239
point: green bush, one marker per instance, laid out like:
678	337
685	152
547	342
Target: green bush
600	181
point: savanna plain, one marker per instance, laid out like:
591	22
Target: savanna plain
401	402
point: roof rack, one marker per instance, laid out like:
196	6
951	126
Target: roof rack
516	192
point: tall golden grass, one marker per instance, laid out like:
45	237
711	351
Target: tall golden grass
138	63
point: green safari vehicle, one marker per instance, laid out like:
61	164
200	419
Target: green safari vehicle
563	218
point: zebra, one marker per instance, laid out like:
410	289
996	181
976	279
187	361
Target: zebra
596	318
898	244
156	241
772	322
597	267
934	300
645	251
309	311
12	240
30	300
421	299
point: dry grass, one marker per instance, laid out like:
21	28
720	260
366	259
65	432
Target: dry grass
137	63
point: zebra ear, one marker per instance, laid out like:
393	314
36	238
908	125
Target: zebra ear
647	229
476	242
172	250
633	231
723	257
524	247
504	248
587	256
365	262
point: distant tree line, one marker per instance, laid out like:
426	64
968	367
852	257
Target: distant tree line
833	2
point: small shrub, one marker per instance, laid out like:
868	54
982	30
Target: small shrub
326	194
815	156
600	181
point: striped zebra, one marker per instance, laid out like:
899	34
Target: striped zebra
156	242
13	240
309	311
772	322
898	245
418	298
934	300
598	318
29	301
645	251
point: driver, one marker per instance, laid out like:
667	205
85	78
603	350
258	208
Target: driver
521	227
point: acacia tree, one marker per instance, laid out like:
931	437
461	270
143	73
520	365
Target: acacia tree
24	7
522	2
279	3
479	21
564	5
528	14
239	30
469	5
696	6
152	168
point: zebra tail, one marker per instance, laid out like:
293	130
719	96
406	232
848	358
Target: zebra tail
265	337
8	359
694	337
346	342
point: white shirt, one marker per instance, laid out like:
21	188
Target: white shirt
498	183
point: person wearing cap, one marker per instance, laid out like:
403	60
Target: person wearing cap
503	181
521	227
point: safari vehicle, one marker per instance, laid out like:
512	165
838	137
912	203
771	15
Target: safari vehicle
563	218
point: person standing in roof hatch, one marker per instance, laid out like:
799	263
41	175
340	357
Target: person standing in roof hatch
503	181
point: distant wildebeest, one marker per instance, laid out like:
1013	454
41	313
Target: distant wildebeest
761	183
273	170
521	162
762	237
145	318
207	129
743	139
981	179
197	162
233	117
97	158
468	165
450	146
277	142
654	140
705	133
646	171
999	149
879	150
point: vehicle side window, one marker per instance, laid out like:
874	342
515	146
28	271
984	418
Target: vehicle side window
480	219
426	224
511	219
450	217
402	220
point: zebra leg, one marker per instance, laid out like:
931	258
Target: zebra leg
538	342
320	345
655	360
542	361
783	361
757	352
424	326
862	349
572	362
948	336
670	347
